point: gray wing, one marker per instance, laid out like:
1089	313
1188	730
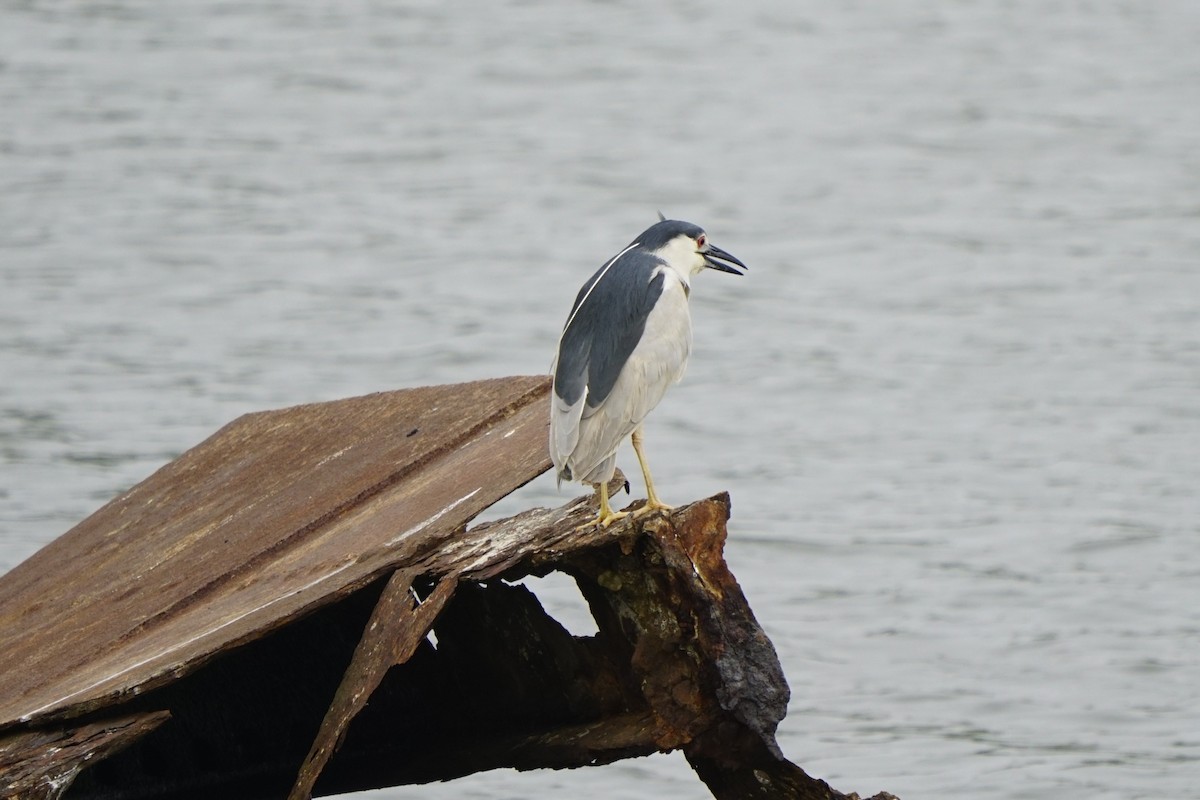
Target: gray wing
604	327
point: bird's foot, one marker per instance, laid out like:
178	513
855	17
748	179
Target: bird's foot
603	520
652	506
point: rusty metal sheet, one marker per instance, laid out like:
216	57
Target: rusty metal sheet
276	514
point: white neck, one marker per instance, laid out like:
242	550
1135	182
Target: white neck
681	256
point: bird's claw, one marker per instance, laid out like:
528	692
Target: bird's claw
650	507
604	520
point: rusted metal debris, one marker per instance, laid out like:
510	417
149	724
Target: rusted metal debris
269	583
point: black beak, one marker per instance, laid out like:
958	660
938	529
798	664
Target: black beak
714	252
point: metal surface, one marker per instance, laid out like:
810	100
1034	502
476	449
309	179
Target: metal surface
678	662
276	514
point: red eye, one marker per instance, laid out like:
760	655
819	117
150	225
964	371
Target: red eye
701	240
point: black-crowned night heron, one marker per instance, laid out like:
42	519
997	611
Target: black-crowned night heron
626	340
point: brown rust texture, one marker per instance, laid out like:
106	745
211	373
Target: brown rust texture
273	589
700	657
678	663
276	514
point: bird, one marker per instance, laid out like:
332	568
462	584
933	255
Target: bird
626	340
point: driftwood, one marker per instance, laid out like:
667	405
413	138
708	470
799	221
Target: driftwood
353	617
41	764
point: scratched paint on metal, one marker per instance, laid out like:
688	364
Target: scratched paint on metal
276	514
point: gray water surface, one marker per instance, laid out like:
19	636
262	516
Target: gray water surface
956	400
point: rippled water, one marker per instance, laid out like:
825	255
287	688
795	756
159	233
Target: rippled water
956	400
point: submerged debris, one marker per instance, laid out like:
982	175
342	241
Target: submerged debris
259	617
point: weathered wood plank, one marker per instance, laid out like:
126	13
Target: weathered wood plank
257	589
40	765
276	514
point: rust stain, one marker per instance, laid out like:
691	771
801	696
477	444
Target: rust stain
283	512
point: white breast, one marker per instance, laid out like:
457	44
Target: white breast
660	358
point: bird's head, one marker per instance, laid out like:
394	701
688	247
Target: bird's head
686	248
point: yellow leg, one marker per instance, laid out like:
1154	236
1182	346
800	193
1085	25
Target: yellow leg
606	516
652	502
